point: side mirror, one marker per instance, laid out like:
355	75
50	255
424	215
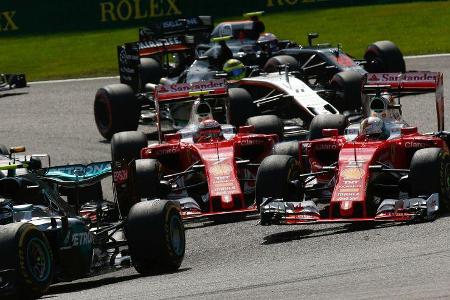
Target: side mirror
172	137
17	149
330	132
150	87
311	36
408	130
246	129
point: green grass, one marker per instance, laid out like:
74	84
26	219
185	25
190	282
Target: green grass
417	28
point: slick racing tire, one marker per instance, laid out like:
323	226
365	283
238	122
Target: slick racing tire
321	122
241	106
147	178
26	249
3	150
430	173
125	147
267	124
274	179
384	56
347	85
116	109
149	71
273	63
290	148
156	236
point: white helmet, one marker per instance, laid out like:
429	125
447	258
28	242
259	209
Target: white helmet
373	127
200	111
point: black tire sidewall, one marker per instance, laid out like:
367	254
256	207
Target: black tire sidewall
14	241
330	121
148	232
116	109
272	179
429	174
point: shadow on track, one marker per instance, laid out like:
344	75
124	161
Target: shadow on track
12	94
295	235
86	285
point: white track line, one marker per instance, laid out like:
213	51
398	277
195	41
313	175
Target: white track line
116	77
73	80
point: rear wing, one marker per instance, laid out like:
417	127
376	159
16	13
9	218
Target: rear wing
409	83
178	92
197	26
128	58
182	92
158	39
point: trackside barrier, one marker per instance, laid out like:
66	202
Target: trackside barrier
51	16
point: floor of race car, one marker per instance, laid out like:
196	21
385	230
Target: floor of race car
244	260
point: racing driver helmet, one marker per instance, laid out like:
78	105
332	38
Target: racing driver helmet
373	128
234	68
201	111
208	130
268	42
382	106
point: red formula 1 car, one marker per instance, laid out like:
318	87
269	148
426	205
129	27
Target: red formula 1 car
387	171
208	167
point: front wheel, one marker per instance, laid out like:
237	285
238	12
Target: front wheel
26	249
156	236
430	173
274	179
126	147
267	124
321	122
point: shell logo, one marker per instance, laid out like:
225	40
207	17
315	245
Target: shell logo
221	170
352	173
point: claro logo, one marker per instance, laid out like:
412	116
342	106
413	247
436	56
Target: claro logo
7	21
124	10
416	145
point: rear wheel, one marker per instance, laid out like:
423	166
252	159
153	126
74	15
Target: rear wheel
156	236
321	122
126	147
290	148
274	179
347	85
26	249
384	56
147	178
273	64
430	173
149	71
116	109
267	124
242	106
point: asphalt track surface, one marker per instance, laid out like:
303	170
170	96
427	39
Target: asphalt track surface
245	260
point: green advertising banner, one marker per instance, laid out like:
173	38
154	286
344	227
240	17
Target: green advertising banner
49	16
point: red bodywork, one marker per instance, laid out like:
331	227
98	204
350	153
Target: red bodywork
352	164
227	166
225	180
352	173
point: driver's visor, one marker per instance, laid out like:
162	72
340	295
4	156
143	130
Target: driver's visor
236	72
